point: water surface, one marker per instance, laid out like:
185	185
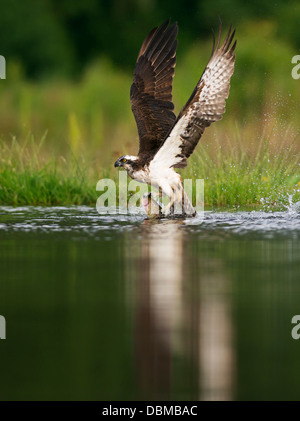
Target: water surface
118	307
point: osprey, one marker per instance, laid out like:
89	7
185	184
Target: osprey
166	142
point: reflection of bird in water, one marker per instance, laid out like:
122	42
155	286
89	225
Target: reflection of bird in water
159	304
182	315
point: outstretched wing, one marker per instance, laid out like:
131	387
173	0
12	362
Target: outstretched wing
206	105
151	91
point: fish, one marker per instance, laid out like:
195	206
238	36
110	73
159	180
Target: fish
152	208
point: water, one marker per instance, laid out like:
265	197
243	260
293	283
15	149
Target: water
118	307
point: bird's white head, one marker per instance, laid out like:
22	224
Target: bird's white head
128	162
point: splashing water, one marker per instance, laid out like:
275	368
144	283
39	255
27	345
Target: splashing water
85	221
292	208
284	201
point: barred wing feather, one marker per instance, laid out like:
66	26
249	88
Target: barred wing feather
206	105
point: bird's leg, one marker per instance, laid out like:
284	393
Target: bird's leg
169	208
179	199
172	209
183	204
160	195
188	208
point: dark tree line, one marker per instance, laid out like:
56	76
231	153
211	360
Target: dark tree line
62	36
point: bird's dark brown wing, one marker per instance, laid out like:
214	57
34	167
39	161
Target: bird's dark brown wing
206	105
151	91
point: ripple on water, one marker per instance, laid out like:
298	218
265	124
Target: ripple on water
86	220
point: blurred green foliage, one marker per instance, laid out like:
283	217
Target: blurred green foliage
62	36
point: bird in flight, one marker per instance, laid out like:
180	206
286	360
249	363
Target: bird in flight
166	142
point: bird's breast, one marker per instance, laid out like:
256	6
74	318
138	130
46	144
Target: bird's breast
141	176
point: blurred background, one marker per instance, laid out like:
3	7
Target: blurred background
70	65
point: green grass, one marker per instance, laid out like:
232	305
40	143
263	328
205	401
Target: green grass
26	178
235	176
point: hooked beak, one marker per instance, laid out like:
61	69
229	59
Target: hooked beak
117	164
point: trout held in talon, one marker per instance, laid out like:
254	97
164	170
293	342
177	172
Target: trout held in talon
152	208
166	142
